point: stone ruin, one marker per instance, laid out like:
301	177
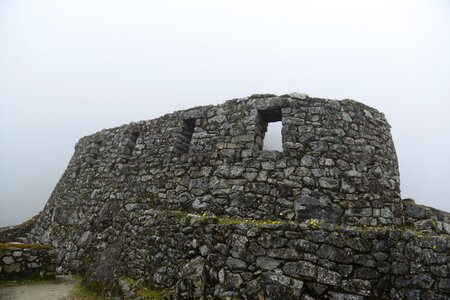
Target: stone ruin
190	206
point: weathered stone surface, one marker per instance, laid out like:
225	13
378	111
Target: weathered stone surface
233	281
357	286
25	261
8	260
267	263
336	254
300	269
328	277
235	264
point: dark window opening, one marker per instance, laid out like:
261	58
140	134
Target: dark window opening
134	136
95	148
271	127
93	153
129	144
186	134
132	140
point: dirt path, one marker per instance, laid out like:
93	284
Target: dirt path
52	290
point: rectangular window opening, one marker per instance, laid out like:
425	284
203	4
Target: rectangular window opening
95	148
133	138
271	129
186	134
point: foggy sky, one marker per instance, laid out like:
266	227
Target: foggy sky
71	68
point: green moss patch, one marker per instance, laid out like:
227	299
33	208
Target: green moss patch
79	292
148	293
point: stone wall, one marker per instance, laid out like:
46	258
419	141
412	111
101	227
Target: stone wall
23	261
190	256
338	164
17	233
190	205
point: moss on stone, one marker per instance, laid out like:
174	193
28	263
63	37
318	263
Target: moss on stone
255	222
129	281
79	292
25	246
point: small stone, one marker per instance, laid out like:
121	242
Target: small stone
238	241
444	285
131	206
33	265
335	254
359	212
230	171
268	165
221	276
233	281
357	286
204	250
386	213
267	263
329	183
17	254
328	277
346	117
399	268
301	268
12	268
341	296
298	95
234	263
353	173
8	260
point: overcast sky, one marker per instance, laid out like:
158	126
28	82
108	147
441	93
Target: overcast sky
71	68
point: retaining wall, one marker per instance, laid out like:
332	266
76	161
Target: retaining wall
25	261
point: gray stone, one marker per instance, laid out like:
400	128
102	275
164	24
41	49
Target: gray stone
359	212
236	264
233	281
346	117
424	281
17	253
267	263
84	239
328	277
329	183
228	171
8	260
204	250
131	206
284	253
415	211
341	296
336	254
238	241
399	268
300	269
444	285
12	268
357	286
33	265
303	245
365	260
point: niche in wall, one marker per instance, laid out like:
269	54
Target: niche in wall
186	135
